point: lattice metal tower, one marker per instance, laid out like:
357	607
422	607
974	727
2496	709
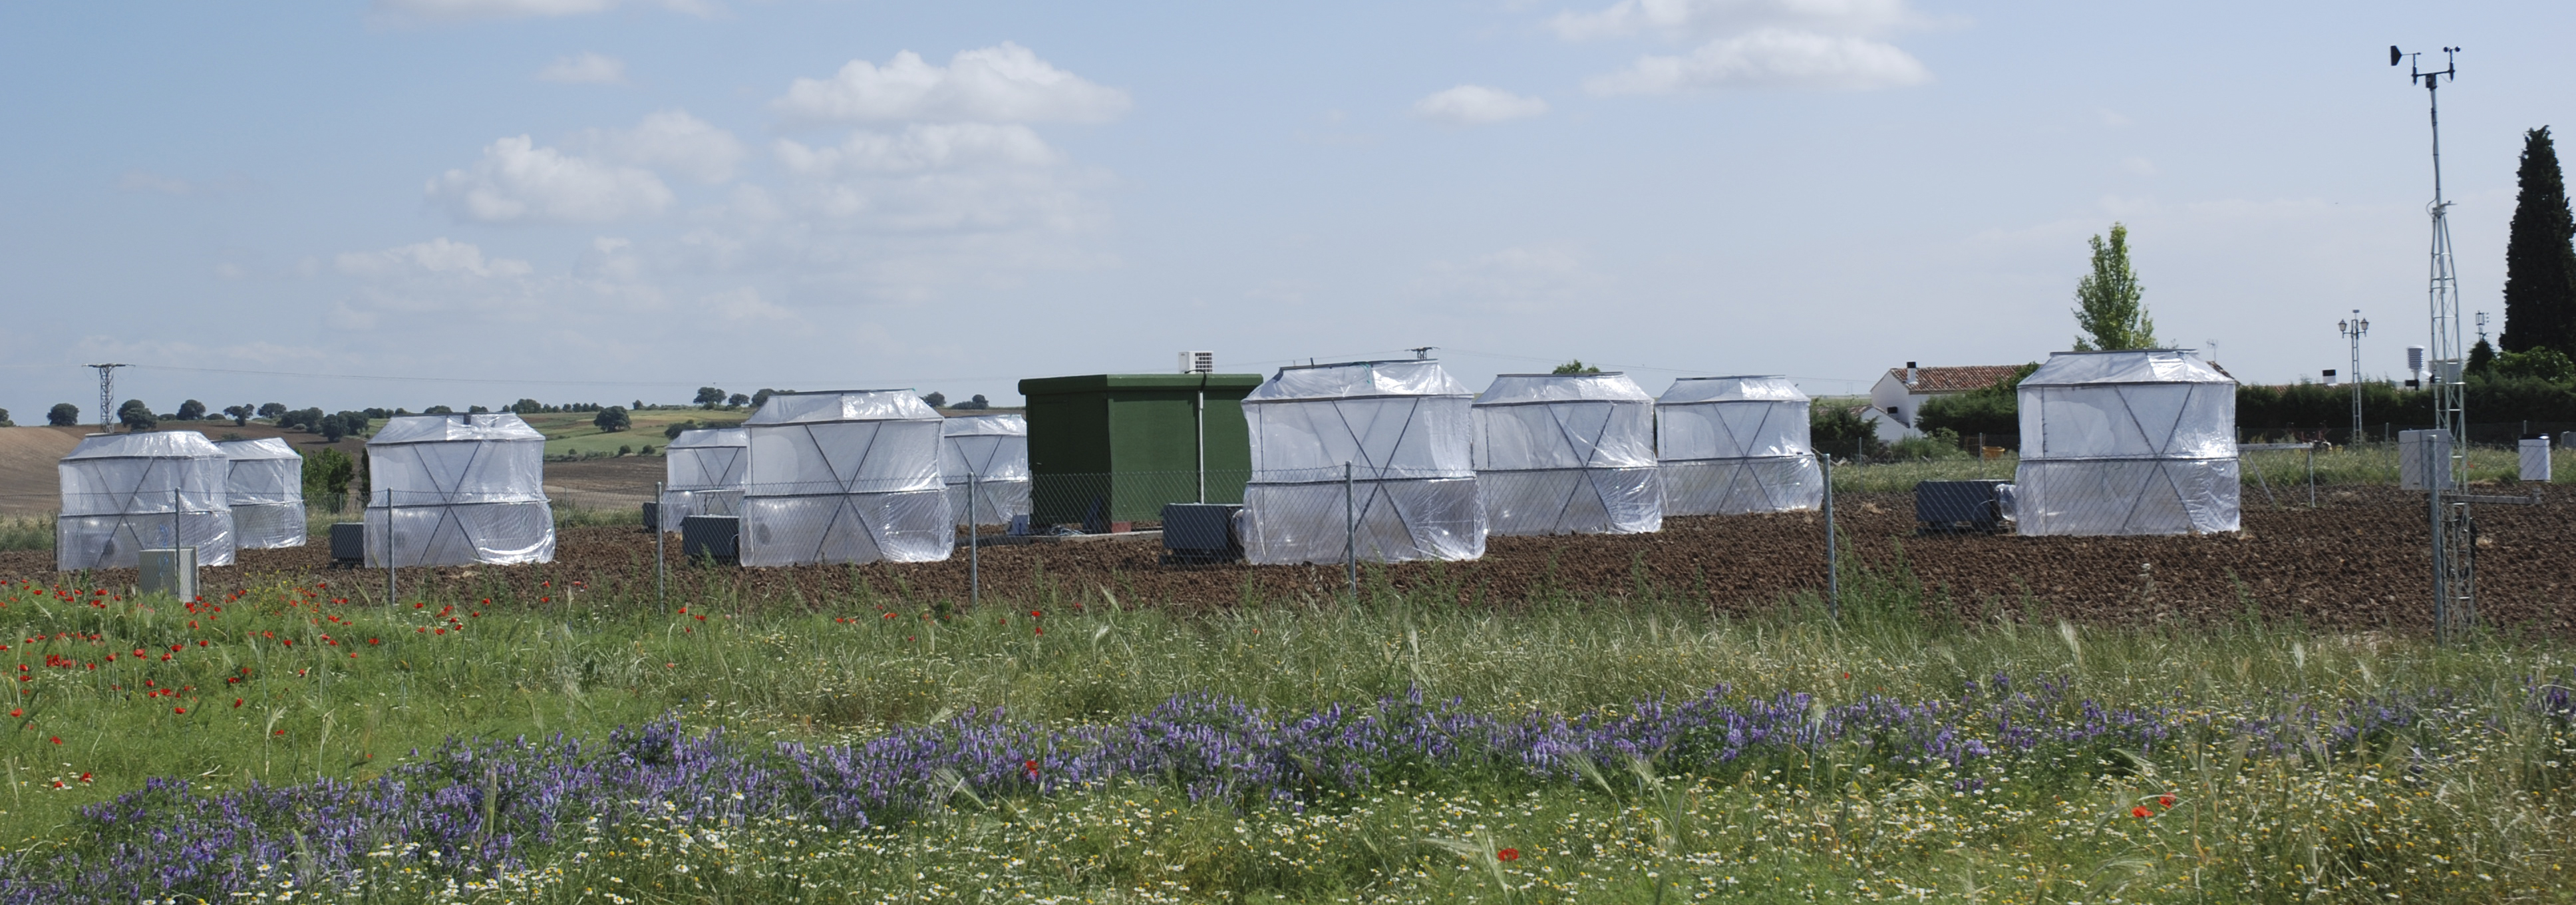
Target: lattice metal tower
2454	535
107	395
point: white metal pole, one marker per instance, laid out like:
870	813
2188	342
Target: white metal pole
1351	531
661	566
1833	559
1200	413
974	546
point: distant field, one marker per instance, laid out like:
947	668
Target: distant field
570	432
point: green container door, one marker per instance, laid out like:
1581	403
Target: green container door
1116	447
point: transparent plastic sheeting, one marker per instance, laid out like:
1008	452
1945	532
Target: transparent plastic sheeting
453	490
266	489
845	477
703	474
1403	428
2123	443
1567	454
1735	445
124	493
995	450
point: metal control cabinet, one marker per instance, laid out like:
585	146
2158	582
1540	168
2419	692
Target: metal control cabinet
1116	447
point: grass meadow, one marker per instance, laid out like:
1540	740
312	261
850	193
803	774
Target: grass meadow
310	742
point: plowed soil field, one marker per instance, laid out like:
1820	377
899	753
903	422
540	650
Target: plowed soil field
2358	562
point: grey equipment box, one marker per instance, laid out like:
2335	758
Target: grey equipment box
168	571
1953	507
1200	534
714	537
348	544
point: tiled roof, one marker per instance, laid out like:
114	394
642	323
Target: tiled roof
1958	379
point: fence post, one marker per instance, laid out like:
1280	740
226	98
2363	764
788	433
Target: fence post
1351	532
661	568
393	580
1833	558
2312	474
974	547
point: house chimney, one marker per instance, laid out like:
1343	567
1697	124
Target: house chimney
1910	375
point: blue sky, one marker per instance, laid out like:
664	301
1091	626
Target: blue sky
468	201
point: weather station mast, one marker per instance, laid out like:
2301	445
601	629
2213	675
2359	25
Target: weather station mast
2446	453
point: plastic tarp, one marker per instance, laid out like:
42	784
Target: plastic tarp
2123	443
266	489
1567	454
845	477
1736	445
124	493
454	490
703	474
995	450
1385	442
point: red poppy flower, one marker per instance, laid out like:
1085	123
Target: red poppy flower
237	702
2139	811
57	739
179	710
1509	854
2166	800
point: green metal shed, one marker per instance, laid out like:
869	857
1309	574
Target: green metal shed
1116	447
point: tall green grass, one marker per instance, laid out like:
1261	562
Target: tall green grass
580	663
27	532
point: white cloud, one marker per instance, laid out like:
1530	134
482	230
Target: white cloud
1705	18
919	148
421	11
436	257
960	177
671	141
517	182
1004	83
1471	105
585	69
1770	58
744	304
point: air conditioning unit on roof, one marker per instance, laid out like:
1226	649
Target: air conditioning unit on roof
1198	362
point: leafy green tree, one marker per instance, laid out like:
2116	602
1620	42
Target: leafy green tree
2481	358
4	419
762	398
326	474
526	407
2542	363
611	419
936	399
2107	306
2539	259
1838	430
978	403
239	413
192	410
63	414
674	431
1575	366
135	415
272	409
355	422
710	397
1992	409
438	410
331	428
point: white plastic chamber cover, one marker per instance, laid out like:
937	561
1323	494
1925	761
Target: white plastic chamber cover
1567	454
845	477
2131	442
266	489
703	473
995	450
1734	445
124	493
1401	432
454	490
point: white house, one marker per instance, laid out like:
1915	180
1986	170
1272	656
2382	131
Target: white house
1897	397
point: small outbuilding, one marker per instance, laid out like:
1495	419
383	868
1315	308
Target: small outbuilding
1567	454
1736	445
125	493
994	451
266	490
1370	458
2129	442
847	476
456	490
703	473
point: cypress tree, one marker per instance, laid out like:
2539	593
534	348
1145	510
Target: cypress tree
2539	259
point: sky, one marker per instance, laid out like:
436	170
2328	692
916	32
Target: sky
408	203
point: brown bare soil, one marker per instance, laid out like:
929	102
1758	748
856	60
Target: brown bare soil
624	483
2357	563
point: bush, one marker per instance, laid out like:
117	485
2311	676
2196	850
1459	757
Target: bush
135	415
611	420
327	473
674	431
1994	409
192	410
331	428
63	414
2543	364
1940	443
1838	430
